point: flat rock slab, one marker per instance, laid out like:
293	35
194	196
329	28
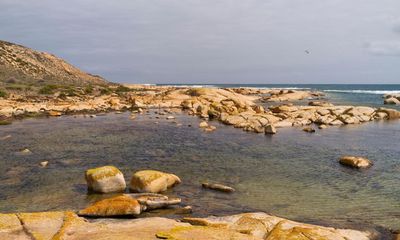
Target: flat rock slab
257	226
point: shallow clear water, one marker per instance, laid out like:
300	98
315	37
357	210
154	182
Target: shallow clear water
292	174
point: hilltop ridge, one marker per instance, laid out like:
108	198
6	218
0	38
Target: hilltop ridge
19	64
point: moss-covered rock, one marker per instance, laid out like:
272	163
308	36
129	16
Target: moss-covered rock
152	181
105	179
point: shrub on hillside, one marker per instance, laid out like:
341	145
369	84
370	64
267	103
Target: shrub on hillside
48	89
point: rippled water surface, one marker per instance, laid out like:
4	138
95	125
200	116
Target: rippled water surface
291	174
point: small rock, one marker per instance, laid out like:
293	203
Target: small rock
153	181
153	203
179	124
210	128
391	100
44	163
322	126
218	187
309	129
184	210
270	129
203	124
25	151
105	179
336	123
5	137
170	117
259	109
357	162
54	113
93	116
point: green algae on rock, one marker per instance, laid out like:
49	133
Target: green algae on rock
105	179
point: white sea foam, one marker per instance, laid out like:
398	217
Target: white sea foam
279	88
365	91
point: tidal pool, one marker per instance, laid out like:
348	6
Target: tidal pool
292	174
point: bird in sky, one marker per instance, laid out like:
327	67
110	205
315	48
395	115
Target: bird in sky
306	51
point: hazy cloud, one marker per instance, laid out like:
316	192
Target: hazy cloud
384	48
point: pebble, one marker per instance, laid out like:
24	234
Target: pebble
44	163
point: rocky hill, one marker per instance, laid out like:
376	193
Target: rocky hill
19	64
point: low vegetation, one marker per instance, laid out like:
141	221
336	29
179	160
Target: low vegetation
3	94
48	89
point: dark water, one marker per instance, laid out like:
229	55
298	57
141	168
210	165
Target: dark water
291	174
345	94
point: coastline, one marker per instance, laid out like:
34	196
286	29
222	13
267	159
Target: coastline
172	103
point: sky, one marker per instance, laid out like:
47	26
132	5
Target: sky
215	41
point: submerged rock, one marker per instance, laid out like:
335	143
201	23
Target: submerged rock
357	162
116	206
152	181
309	129
105	179
5	137
218	187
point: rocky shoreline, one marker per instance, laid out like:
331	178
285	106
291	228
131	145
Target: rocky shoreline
240	107
68	225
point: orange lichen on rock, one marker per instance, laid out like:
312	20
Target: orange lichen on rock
116	206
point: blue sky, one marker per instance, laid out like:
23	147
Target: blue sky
215	41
